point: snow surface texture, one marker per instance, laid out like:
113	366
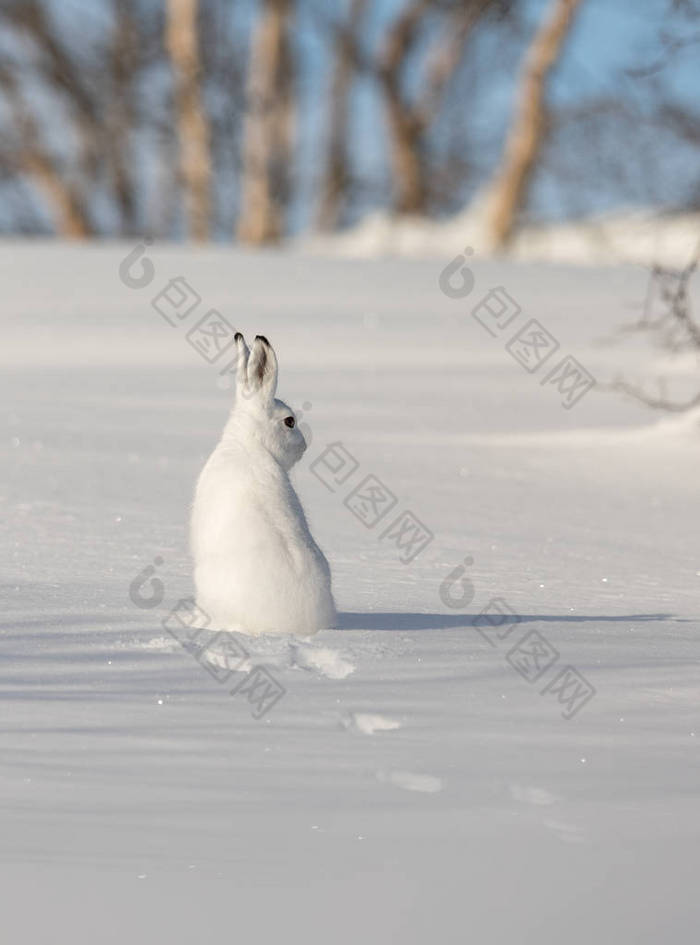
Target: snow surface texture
408	780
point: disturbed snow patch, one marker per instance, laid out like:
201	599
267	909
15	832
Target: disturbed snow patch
411	781
321	659
226	648
281	653
368	723
532	795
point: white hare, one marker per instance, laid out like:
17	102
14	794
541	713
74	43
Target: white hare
257	567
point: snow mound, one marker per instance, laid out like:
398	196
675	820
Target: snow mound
639	236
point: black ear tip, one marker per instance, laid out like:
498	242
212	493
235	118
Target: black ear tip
238	336
263	339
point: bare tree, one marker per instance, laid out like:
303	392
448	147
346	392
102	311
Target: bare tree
97	84
66	202
195	160
409	119
268	134
60	71
334	185
120	119
406	160
668	315
525	138
224	51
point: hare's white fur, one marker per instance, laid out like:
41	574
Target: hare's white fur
257	566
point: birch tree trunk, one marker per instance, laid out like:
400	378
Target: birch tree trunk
410	192
268	127
526	135
336	176
193	129
404	131
68	210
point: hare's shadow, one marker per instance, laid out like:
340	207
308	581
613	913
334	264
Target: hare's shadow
411	621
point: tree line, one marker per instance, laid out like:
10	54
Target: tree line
185	117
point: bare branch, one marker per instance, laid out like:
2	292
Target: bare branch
657	403
675	322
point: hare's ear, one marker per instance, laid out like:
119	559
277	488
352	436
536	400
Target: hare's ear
262	368
241	364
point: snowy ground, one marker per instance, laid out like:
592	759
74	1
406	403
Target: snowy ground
410	785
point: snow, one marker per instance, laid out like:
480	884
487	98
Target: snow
408	783
637	236
368	723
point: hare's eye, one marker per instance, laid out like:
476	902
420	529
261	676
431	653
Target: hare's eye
289	422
